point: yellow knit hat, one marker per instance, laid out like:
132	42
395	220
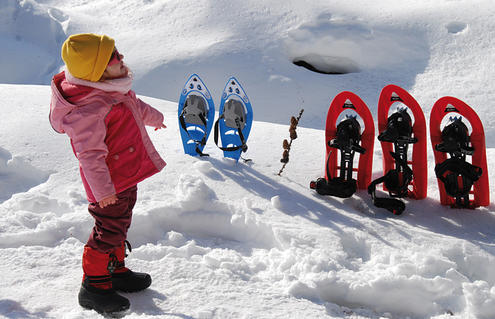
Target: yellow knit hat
86	55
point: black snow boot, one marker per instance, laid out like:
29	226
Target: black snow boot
104	301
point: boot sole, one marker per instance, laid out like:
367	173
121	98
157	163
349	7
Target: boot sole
117	313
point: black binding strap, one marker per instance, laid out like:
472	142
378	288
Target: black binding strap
455	140
243	145
395	187
337	187
458	177
202	142
234	116
194	112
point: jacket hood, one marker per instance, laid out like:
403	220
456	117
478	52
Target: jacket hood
59	106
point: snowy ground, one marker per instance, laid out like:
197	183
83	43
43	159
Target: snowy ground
263	246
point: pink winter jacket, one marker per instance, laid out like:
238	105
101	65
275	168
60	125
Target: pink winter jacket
108	135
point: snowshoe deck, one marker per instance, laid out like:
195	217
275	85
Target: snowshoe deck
344	140
349	101
235	120
390	95
455	172
196	115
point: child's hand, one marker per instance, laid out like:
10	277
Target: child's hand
162	126
110	200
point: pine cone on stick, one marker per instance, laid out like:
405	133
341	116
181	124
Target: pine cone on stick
293	135
293	122
285	144
285	157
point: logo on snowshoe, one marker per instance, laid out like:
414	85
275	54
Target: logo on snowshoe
451	108
348	105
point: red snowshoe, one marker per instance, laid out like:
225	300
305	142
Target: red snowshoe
347	138
396	132
462	175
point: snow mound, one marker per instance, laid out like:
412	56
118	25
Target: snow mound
431	283
39	220
30	36
480	299
197	212
17	175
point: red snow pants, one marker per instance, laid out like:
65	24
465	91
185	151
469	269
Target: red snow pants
112	222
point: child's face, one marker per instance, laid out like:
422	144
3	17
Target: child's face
116	68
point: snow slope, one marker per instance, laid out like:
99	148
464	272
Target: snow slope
431	48
264	246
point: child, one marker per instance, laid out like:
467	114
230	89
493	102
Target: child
92	102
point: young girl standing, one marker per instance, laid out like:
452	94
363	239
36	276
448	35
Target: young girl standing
92	102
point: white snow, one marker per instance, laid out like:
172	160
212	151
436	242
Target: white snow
235	240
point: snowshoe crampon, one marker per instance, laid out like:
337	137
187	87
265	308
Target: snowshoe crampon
344	140
234	123
460	156
196	114
396	132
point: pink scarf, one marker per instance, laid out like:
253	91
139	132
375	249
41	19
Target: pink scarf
121	85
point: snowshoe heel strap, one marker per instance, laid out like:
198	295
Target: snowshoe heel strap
185	117
395	186
398	182
393	205
453	147
458	176
337	187
243	145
